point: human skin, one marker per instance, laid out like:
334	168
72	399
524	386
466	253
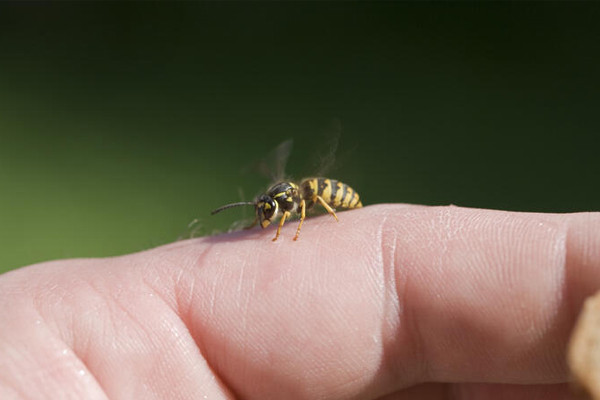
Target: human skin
392	302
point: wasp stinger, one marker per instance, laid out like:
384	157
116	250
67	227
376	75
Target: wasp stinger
286	198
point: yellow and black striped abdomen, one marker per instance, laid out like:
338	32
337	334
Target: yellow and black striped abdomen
335	193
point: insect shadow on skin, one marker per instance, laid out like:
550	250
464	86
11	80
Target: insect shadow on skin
286	198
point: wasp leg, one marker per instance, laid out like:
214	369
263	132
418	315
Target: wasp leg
302	216
253	224
329	209
285	215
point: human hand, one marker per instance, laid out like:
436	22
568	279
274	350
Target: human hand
394	301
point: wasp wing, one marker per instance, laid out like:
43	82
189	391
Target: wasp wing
325	154
273	165
276	161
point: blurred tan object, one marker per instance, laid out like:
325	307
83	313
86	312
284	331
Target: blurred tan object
584	348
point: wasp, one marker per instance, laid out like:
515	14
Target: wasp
287	198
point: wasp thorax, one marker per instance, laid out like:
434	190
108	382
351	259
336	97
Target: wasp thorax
266	210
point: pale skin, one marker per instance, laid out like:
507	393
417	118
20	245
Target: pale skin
391	302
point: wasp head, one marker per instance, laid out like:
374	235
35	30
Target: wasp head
266	210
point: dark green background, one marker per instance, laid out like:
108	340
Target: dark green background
121	123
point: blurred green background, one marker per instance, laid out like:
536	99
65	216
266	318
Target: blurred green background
121	123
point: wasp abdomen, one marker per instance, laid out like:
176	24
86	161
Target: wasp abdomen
333	192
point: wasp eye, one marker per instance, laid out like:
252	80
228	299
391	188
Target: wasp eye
269	209
266	209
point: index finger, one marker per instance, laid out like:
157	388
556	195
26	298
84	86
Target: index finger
392	296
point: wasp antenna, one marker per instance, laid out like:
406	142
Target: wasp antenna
225	207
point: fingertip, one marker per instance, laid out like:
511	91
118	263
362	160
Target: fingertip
582	258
